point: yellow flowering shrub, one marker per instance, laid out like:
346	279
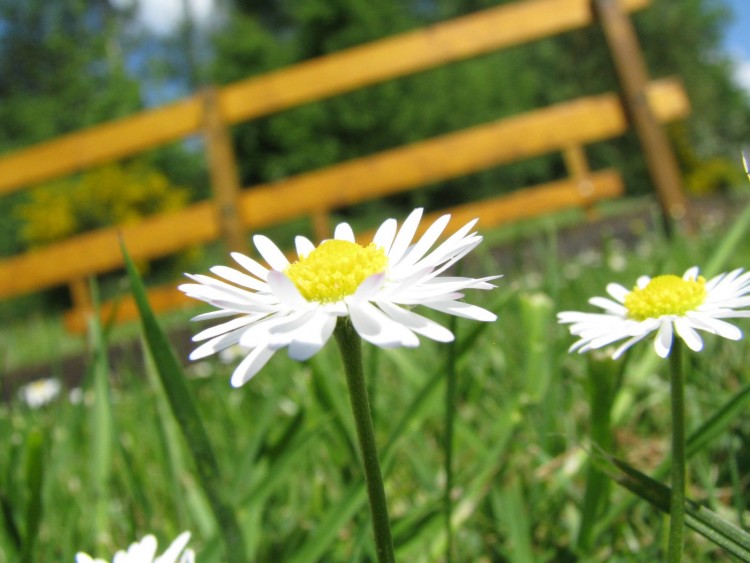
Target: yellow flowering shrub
116	194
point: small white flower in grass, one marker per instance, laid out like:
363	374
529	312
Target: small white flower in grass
144	551
40	392
663	305
296	305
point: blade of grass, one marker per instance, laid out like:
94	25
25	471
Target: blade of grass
9	523
101	424
34	477
451	374
706	433
182	486
329	528
604	378
697	517
186	413
514	513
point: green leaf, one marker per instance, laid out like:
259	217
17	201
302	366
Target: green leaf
699	518
186	413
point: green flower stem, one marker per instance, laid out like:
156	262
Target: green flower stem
350	346
450	406
677	496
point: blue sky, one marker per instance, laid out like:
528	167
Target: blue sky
737	39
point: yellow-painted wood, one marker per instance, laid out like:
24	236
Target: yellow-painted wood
581	121
353	68
96	145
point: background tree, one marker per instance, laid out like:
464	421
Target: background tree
62	68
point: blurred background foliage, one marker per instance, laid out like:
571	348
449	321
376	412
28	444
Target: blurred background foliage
110	195
81	62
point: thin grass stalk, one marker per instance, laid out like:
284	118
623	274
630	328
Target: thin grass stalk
34	473
102	424
350	346
450	406
677	495
603	385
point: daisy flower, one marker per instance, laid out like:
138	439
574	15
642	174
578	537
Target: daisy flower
40	392
296	305
144	551
663	305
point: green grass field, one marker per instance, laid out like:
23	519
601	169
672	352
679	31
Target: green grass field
527	417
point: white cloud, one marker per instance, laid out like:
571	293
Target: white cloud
742	74
163	16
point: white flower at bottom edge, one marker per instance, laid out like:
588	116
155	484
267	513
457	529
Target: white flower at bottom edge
296	305
144	551
665	305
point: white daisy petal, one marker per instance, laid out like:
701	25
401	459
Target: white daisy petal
285	290
174	550
717	326
368	288
304	246
688	334
306	343
234	276
213	315
375	285
628	343
250	365
144	551
465	310
417	323
228	326
608	305
425	242
663	340
270	253
450	247
404	236
375	327
343	232
385	234
216	344
617	291
690	273
250	265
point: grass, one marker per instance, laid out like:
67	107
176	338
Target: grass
97	474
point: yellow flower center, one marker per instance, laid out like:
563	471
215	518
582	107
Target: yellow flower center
665	295
335	269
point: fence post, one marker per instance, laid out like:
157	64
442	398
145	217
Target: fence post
80	297
631	70
225	181
578	168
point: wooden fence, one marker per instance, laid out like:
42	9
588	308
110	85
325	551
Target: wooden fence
564	127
